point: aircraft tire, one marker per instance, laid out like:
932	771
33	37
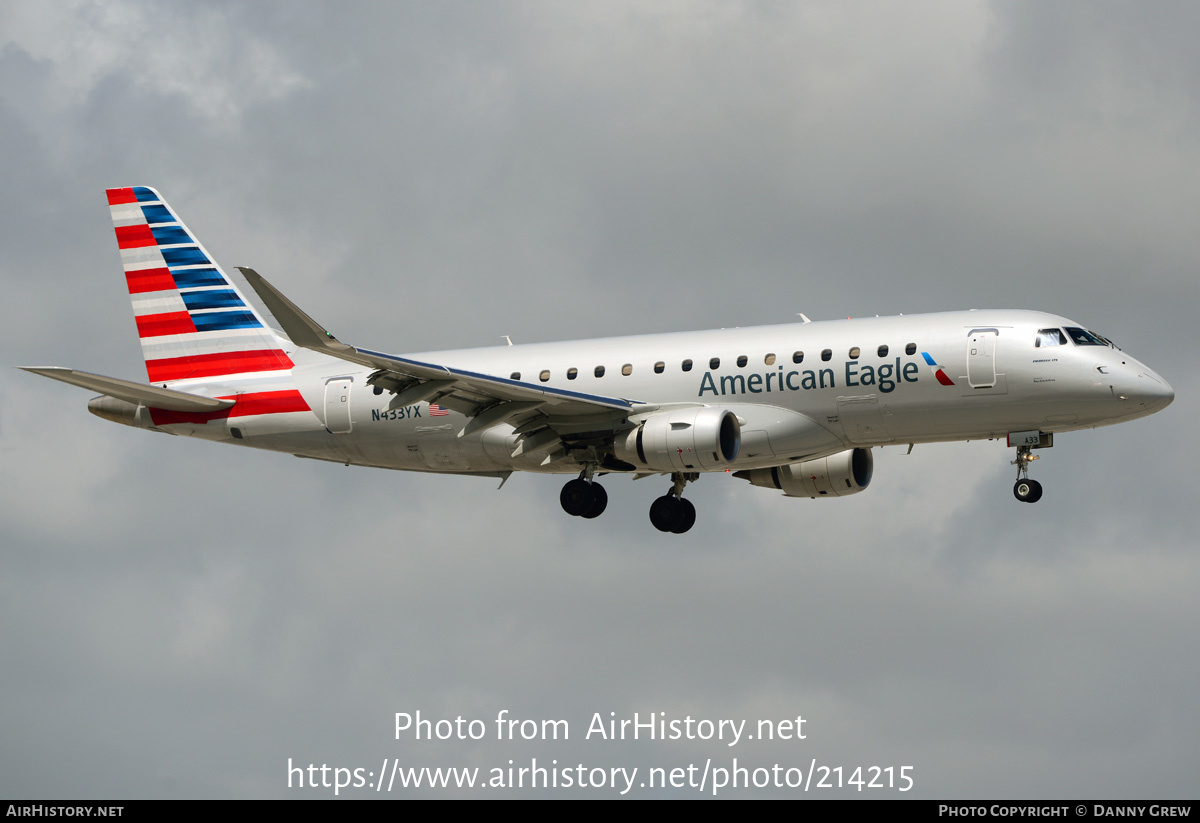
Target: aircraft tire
688	516
577	497
1027	491
666	513
599	502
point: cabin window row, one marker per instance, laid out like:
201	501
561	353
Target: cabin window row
714	363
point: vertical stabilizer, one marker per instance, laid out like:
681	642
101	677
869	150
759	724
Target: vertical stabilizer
193	321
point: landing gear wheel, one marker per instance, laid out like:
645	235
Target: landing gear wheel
666	513
687	516
599	502
577	497
1027	491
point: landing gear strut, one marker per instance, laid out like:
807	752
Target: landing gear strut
583	498
1026	490
671	512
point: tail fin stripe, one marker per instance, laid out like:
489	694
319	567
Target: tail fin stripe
147	280
135	237
131	194
157	302
193	345
171	236
198	278
118	196
212	299
225	320
158	325
158	214
213	365
181	322
146	258
186	256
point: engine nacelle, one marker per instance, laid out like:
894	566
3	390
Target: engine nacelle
838	475
694	439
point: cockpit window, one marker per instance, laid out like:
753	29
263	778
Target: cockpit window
1051	337
1083	337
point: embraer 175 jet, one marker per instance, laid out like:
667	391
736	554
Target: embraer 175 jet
794	407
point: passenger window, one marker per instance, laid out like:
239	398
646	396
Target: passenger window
627	369
855	352
599	371
572	374
1050	337
515	376
769	359
715	363
687	365
798	357
544	376
659	366
827	354
882	351
742	361
911	348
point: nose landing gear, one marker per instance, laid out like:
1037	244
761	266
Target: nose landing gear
1026	490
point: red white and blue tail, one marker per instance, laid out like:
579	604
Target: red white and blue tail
193	320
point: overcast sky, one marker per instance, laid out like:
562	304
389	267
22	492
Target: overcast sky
178	619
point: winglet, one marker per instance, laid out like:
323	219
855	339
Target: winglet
302	329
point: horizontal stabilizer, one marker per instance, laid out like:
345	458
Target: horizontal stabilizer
138	393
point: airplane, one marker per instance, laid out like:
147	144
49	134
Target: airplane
795	407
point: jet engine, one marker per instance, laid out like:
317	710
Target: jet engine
838	475
692	439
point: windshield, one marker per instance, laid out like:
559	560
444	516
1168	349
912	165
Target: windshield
1050	337
1083	337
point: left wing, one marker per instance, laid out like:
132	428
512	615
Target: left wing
541	414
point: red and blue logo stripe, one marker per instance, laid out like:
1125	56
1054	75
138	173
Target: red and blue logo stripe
937	370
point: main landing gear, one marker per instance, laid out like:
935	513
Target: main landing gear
582	497
1026	490
671	512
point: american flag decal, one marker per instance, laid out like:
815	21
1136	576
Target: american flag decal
437	411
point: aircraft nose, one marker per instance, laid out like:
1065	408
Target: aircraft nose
1151	391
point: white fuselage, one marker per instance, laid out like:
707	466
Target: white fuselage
799	390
